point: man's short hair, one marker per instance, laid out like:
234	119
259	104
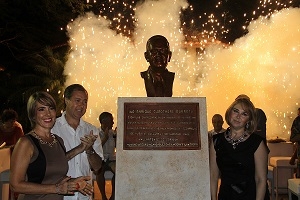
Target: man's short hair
156	37
71	88
105	115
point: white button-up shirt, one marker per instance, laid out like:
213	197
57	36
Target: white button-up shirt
109	146
79	165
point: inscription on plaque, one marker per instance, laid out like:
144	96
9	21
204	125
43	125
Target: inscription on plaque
161	126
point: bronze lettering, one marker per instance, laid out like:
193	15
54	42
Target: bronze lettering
161	126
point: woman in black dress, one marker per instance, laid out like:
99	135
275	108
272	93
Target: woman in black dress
239	157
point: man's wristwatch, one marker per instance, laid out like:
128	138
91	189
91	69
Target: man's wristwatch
90	152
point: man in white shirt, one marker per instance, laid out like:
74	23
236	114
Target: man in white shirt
72	128
108	140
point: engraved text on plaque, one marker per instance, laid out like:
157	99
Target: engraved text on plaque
161	126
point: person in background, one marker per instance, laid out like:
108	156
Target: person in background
295	137
158	80
261	129
217	121
39	162
10	129
108	140
71	127
239	157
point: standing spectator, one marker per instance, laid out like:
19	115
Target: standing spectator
39	161
71	127
217	121
108	136
295	137
239	157
10	129
261	128
295	154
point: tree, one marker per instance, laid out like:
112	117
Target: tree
33	46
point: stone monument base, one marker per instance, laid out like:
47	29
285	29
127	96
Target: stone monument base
162	149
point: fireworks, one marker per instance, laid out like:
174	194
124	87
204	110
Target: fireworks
219	50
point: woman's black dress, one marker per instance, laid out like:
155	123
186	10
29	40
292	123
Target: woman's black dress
237	167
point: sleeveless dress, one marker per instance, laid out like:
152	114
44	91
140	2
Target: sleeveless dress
237	167
47	166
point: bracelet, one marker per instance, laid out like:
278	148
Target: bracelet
57	188
90	152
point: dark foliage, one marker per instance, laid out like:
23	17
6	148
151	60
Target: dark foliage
34	48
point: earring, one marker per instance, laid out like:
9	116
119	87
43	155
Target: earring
247	126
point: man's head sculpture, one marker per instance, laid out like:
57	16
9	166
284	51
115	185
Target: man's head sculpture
158	53
158	80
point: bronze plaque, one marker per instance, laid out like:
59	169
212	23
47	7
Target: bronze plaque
161	126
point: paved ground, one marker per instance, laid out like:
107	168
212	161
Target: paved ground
97	195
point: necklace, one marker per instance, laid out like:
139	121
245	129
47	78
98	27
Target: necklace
233	142
50	144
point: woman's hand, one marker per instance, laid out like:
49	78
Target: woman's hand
83	186
65	186
69	186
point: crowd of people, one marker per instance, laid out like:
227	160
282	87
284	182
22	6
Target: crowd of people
59	157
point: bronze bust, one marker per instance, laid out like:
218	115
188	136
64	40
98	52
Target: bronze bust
158	80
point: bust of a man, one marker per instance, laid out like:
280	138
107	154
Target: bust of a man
158	80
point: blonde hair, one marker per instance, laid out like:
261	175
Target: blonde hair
43	98
248	106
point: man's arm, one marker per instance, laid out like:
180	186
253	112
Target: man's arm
104	137
95	154
94	159
295	130
294	157
86	143
75	151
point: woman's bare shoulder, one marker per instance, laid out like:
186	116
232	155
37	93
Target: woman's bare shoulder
24	142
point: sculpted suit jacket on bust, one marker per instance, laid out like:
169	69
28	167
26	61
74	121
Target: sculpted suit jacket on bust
167	82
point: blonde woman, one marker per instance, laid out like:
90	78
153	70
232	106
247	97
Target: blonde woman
39	162
239	157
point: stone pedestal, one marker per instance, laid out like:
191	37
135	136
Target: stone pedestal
162	149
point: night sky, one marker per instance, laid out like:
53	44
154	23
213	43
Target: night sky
226	19
33	34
